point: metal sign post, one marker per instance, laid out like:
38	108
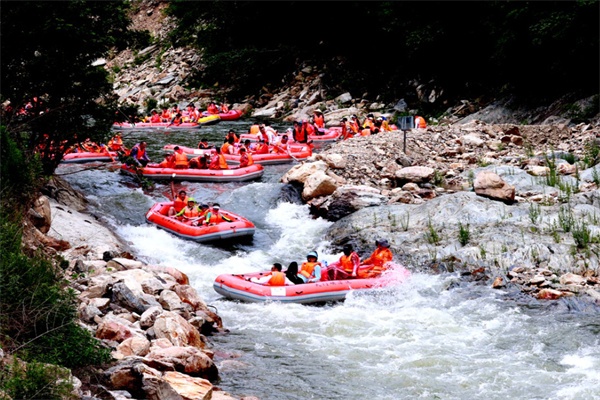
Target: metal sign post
406	123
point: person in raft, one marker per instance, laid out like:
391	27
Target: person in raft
377	261
245	158
347	266
311	269
214	216
138	153
179	203
274	278
190	213
203	144
180	159
218	160
200	162
292	273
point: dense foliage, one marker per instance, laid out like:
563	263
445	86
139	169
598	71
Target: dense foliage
37	310
535	50
52	96
57	97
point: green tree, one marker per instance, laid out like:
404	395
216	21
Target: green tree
381	48
48	50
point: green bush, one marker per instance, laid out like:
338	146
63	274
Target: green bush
37	311
35	381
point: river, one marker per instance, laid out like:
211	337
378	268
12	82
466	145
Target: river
433	337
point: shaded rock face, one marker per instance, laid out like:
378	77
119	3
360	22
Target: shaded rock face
337	209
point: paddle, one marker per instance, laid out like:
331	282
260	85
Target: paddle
173	187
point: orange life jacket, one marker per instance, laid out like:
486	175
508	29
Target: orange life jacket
300	134
216	218
181	160
277	279
254	129
308	268
179	204
223	162
320	121
379	257
225	148
224	108
420	122
354	127
212	109
246	160
115	143
365	132
167	163
193	213
218	162
347	264
280	148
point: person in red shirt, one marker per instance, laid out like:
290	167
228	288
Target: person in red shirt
155	117
212	108
245	158
218	160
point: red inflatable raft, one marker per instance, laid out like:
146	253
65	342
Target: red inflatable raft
83	157
297	153
231	115
240	227
239	287
329	135
152	171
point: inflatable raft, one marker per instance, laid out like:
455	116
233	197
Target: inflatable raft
152	171
329	135
208	120
239	287
83	157
298	153
231	115
239	228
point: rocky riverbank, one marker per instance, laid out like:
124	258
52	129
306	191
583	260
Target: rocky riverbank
513	207
508	205
154	322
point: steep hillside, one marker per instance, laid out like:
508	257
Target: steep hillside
159	75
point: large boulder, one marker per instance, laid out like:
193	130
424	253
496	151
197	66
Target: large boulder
491	185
